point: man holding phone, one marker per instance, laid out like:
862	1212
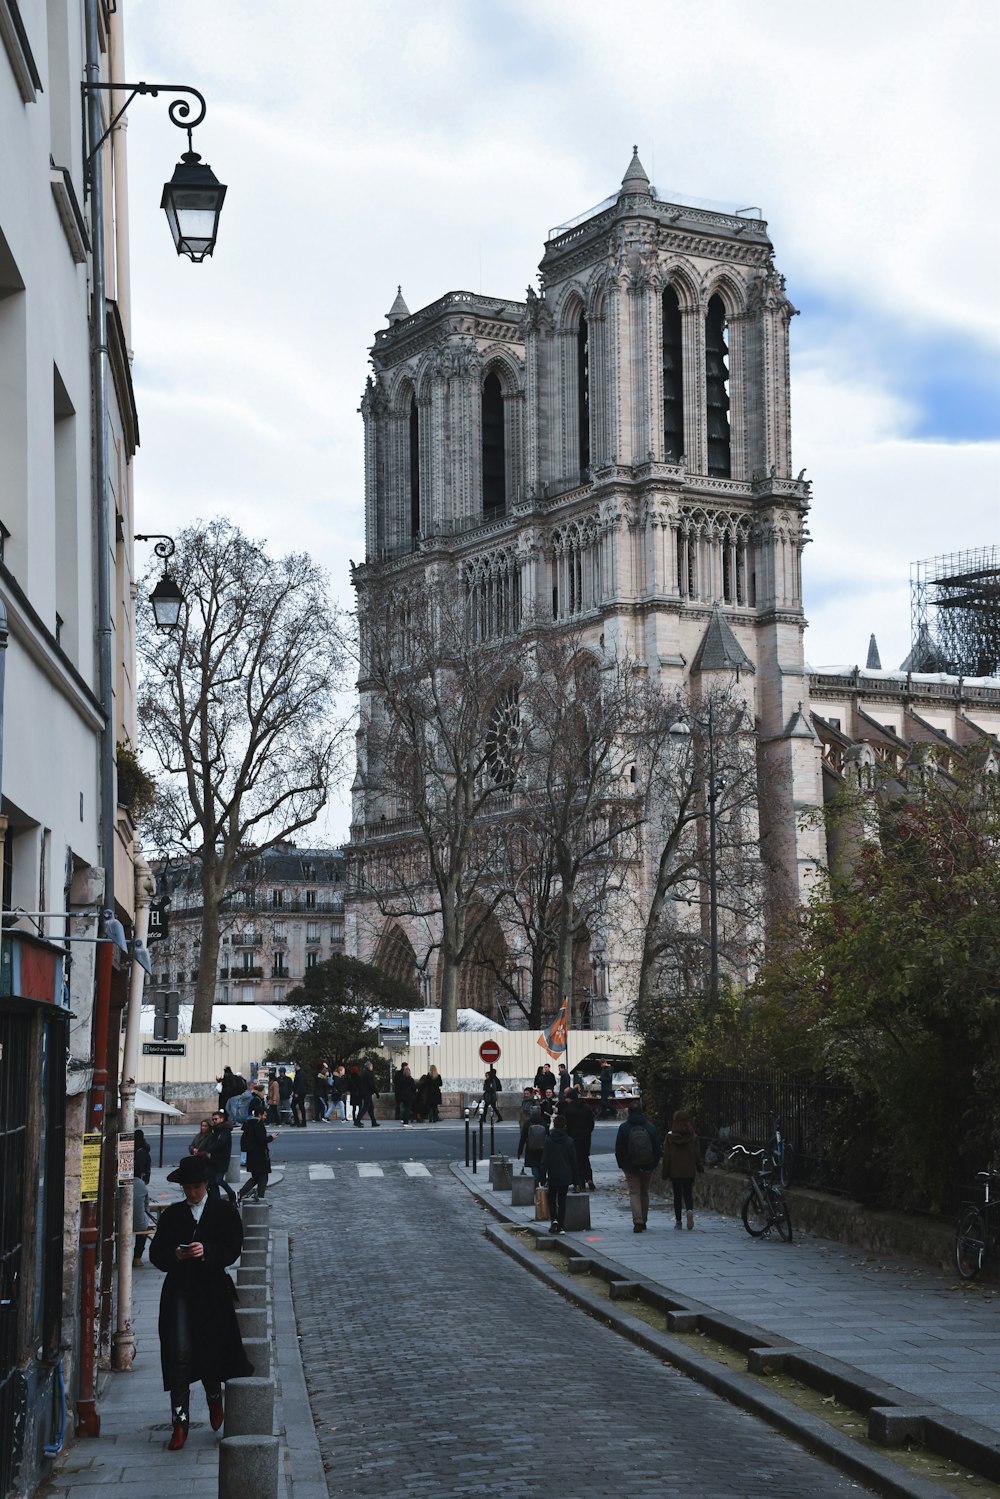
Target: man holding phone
199	1336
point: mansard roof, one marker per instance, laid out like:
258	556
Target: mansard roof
719	649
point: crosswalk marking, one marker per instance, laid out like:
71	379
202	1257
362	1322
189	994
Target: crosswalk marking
365	1169
415	1168
321	1173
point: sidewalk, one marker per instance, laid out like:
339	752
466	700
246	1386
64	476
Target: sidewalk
131	1453
894	1322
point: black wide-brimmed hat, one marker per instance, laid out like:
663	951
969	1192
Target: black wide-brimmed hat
193	1168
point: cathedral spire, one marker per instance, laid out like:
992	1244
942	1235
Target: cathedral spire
635	179
399	310
874	662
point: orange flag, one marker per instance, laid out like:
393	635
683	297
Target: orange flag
553	1038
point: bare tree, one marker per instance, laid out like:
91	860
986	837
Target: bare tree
442	752
238	707
697	768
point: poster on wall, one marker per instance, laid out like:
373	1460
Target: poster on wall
425	1027
90	1166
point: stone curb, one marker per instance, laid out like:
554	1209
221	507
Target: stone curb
302	1464
945	1433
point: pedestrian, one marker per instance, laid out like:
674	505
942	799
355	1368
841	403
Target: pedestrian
298	1097
336	1108
545	1079
396	1096
637	1150
681	1163
406	1092
580	1127
237	1105
526	1103
492	1088
531	1143
547	1104
273	1098
254	1143
354	1091
556	1171
201	1143
563	1083
142	1222
433	1095
322	1092
607	1081
230	1083
220	1153
368	1094
284	1095
142	1158
199	1335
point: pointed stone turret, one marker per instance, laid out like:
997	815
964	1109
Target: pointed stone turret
399	310
635	179
874	662
719	649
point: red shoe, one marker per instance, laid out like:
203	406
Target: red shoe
179	1435
216	1412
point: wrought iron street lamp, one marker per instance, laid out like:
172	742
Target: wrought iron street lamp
166	598
707	726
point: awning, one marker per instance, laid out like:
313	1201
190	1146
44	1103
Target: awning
148	1103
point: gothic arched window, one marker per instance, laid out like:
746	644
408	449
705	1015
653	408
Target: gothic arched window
673	379
717	389
583	392
494	456
414	469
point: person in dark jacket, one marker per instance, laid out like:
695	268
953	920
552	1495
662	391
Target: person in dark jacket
558	1167
607	1081
199	1335
220	1153
492	1088
429	1091
681	1163
563	1083
545	1078
580	1127
367	1094
230	1084
254	1142
531	1143
406	1093
143	1158
637	1151
298	1097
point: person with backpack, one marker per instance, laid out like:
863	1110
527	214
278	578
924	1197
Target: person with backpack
238	1105
637	1151
230	1083
557	1170
534	1133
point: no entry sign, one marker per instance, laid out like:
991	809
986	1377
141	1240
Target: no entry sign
490	1051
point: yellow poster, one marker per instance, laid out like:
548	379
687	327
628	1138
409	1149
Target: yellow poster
90	1166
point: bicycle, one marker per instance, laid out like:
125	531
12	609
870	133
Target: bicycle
783	1155
764	1207
976	1234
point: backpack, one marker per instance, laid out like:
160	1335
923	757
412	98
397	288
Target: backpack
536	1136
639	1148
240	1110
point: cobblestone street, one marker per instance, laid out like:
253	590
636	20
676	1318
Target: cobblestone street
436	1366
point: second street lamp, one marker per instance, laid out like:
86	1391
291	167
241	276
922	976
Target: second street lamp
166	598
192	201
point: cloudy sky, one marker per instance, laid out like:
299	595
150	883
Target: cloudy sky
434	143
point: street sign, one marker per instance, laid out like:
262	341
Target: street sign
159	929
164	1048
490	1051
425	1027
166	1014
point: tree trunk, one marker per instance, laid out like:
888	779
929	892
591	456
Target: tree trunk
449	992
537	987
208	964
565	963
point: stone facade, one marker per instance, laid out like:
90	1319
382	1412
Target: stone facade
613	453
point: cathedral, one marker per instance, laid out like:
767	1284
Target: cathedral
613	454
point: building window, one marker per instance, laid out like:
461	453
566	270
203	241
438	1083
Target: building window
248	993
493	455
493	596
336	934
312	958
576	570
312	931
277	898
310	900
278	969
583	393
278	993
673	379
717	389
414	469
279	933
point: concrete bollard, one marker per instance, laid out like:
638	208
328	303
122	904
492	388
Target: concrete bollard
252	1321
255	1237
248	1465
233	1170
522	1192
256	1212
252	1275
254	1254
501	1173
258	1351
577	1211
249	1408
251	1296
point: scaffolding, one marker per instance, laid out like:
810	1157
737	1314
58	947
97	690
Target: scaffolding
955	613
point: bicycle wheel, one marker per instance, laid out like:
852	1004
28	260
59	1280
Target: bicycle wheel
755	1218
787	1164
782	1217
970	1244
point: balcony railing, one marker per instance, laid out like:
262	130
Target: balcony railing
241	973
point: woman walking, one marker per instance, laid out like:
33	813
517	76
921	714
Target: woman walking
681	1163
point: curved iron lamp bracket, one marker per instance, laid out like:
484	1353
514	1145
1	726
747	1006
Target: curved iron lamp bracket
179	110
164	547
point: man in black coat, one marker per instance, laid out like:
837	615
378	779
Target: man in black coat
199	1336
637	1151
556	1171
580	1127
220	1151
298	1097
367	1093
